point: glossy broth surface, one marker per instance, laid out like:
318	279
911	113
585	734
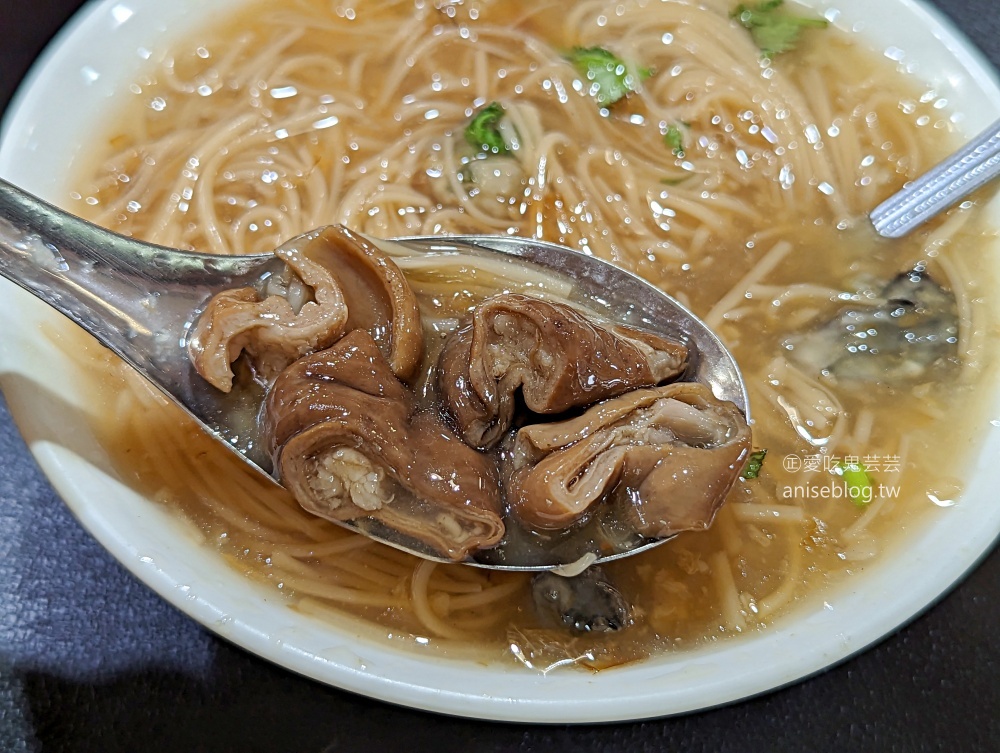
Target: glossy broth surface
293	117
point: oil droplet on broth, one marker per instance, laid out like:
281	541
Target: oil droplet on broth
945	493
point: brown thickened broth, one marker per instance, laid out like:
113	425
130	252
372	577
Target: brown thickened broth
652	134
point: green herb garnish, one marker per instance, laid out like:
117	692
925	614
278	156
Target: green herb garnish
754	464
674	138
607	73
773	30
859	483
483	131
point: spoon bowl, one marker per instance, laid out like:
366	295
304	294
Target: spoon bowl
141	301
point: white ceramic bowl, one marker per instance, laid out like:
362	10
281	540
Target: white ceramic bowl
93	58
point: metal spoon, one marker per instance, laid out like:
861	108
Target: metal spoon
140	301
941	187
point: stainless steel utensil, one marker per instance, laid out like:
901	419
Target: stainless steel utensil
941	187
140	300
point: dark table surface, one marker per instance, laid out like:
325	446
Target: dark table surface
91	659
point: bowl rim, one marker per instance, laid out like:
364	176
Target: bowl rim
249	614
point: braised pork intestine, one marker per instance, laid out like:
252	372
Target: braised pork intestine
550	354
350	443
667	455
341	281
353	441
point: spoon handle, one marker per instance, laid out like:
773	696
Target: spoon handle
110	284
136	298
940	187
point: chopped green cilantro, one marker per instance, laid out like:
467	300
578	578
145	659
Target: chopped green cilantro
859	483
674	138
773	30
754	463
609	77
483	131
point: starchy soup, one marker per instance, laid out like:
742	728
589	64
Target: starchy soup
726	158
